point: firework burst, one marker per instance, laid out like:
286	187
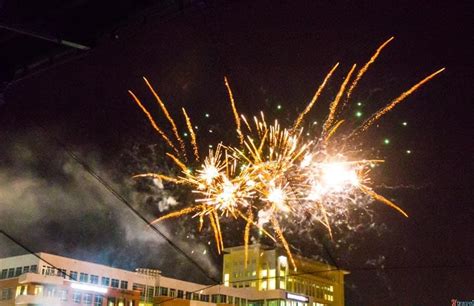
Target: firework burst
273	173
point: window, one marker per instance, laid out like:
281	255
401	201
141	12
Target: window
73	275
188	295
123	285
94	279
172	292
149	293
21	290
98	300
180	294
34	268
6	294
205	297
105	281
63	295
38	290
4	274
87	299
115	283
83	277
11	272
196	296
141	288
76	297
163	291
62	273
26	269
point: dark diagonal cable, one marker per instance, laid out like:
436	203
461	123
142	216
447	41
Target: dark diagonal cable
124	201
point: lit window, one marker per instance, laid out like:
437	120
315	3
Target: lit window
63	295
38	290
87	299
76	297
271	284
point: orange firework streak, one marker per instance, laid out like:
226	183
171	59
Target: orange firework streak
234	181
168	116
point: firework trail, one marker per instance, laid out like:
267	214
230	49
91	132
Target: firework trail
274	174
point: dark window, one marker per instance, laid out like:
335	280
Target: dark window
115	283
4	274
123	285
18	271
149	293
62	273
98	300
214	298
73	275
26	269
180	294
83	277
94	279
105	281
163	291
189	295
172	292
34	268
6	294
11	272
204	297
196	296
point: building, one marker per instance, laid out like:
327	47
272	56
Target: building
266	280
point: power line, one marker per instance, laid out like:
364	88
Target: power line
34	253
124	201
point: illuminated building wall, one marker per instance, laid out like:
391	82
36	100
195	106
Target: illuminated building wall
268	269
267	281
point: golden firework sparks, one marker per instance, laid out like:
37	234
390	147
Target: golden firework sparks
274	173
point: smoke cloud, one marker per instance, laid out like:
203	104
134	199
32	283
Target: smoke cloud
50	203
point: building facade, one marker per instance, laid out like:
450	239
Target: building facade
265	280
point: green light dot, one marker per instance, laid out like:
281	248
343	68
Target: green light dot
405	123
359	103
185	134
408	151
207	115
358	114
210	146
386	141
279	106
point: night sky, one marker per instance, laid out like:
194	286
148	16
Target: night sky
274	54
